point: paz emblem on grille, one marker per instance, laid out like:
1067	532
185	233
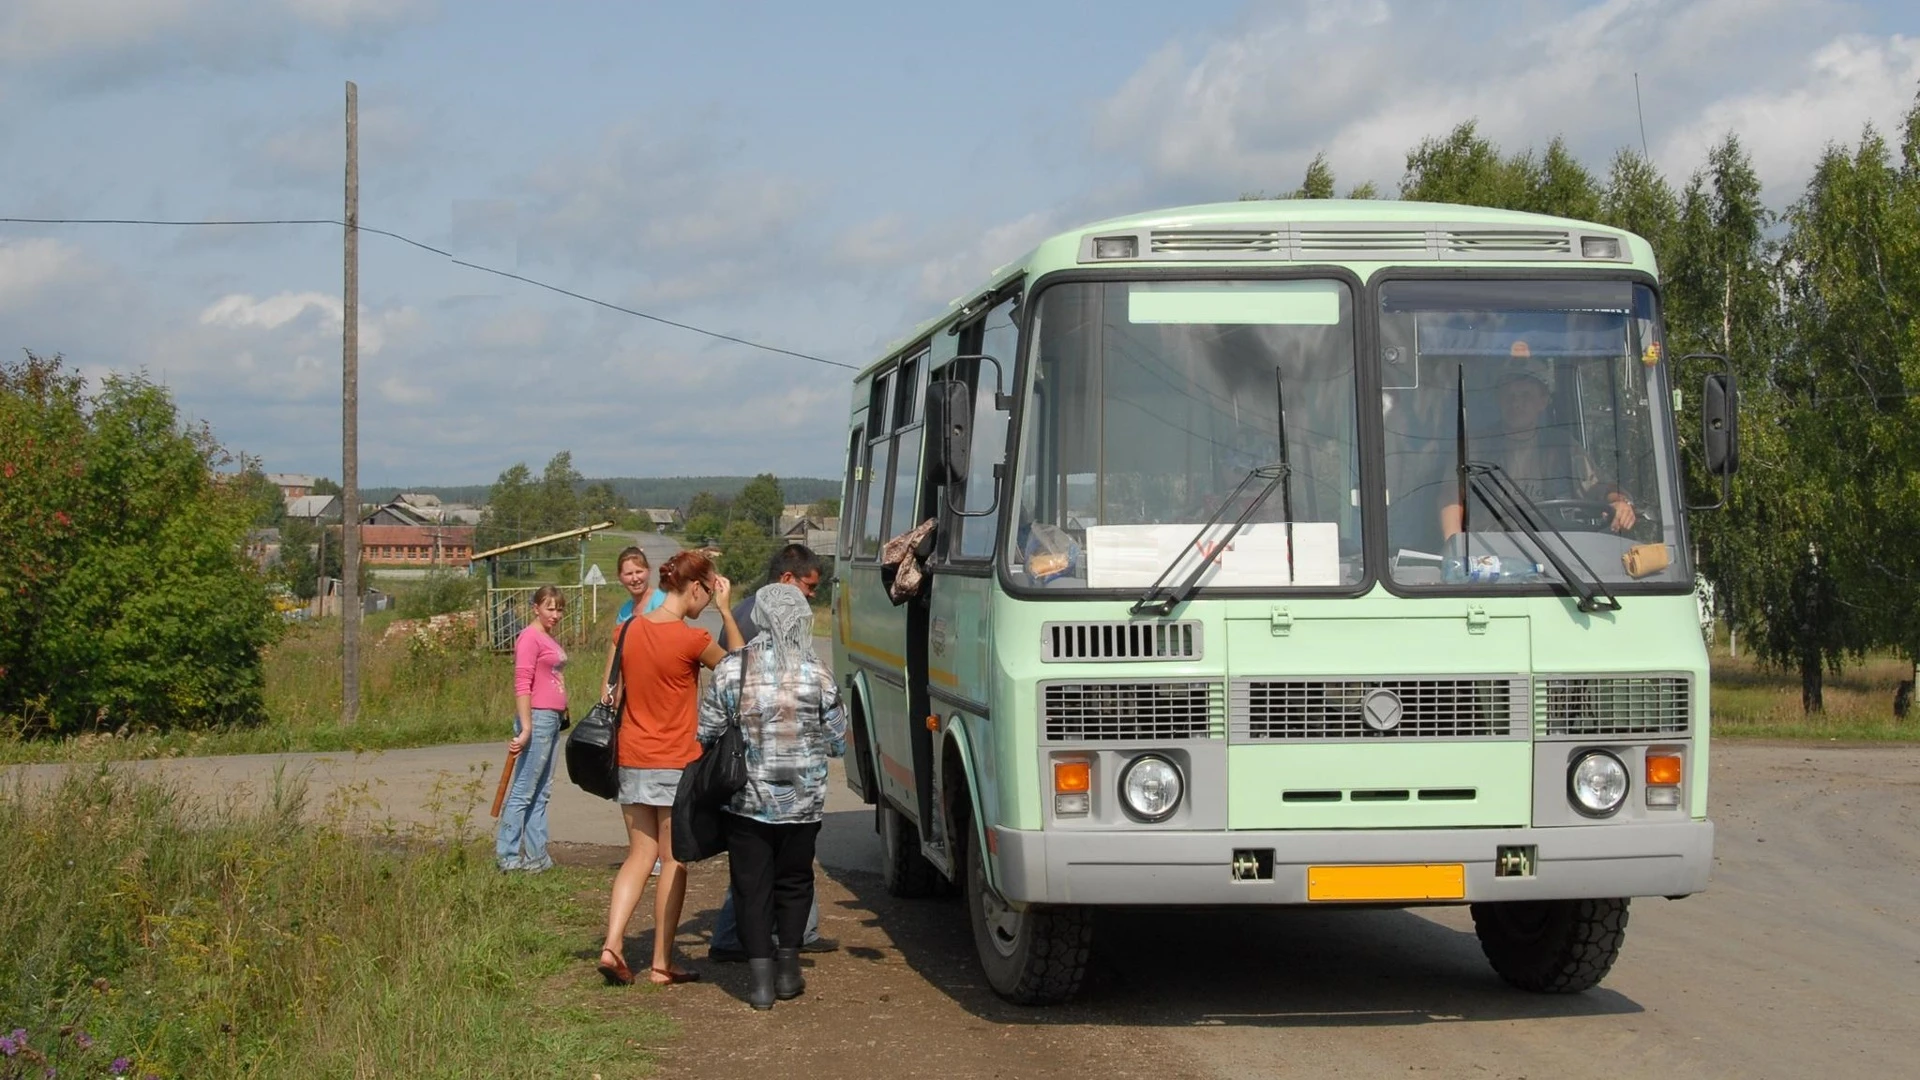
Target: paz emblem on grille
1381	709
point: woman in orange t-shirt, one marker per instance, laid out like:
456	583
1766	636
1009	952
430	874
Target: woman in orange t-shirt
660	664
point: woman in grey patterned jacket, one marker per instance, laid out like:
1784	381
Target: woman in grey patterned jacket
788	709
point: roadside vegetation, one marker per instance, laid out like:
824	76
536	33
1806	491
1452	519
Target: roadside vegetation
150	935
1753	701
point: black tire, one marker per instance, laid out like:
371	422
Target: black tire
1033	957
905	872
1552	946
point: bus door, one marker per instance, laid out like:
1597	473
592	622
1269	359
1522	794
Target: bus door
915	482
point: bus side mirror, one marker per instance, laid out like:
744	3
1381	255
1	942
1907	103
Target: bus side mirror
950	430
1720	424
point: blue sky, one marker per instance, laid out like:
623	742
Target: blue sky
818	177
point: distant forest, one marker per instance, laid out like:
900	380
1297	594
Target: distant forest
639	491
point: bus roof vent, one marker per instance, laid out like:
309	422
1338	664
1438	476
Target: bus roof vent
1273	242
1584	707
1076	642
1507	243
1362	242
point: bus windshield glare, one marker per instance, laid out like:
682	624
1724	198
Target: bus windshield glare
1564	397
1149	401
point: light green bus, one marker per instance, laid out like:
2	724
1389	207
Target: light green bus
1285	553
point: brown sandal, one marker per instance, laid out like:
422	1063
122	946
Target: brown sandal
670	977
615	973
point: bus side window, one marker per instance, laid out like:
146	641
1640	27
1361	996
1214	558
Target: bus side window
905	481
852	488
998	338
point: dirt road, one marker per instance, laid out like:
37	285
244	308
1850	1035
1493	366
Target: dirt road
1802	958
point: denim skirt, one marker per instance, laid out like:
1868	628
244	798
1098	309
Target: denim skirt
648	787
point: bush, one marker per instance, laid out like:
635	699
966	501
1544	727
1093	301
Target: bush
440	592
128	600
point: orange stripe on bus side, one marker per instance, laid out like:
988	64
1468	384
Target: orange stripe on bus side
881	656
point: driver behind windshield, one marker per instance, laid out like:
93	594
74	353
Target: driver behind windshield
1537	454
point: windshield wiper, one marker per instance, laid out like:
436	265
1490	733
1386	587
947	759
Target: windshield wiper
1153	603
1516	508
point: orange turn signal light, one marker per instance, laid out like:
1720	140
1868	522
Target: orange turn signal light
1072	776
1663	769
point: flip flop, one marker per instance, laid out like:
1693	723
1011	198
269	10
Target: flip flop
670	977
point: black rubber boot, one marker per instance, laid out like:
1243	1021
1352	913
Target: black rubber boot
789	983
760	995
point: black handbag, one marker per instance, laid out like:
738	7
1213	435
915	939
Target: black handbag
593	746
706	785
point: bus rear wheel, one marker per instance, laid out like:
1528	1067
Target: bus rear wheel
1031	957
1552	946
904	871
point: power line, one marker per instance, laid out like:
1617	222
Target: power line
445	254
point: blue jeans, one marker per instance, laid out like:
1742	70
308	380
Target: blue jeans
521	841
726	925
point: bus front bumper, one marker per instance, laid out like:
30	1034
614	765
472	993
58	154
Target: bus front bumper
1142	867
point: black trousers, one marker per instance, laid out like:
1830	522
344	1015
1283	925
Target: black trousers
772	871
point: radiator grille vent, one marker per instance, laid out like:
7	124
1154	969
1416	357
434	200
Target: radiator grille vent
1144	711
1080	641
1492	707
1614	705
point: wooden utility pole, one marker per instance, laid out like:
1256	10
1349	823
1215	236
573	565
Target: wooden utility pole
350	429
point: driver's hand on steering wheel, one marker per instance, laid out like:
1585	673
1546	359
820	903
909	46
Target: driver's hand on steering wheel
1623	515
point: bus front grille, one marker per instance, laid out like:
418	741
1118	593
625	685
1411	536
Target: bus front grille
1119	640
1607	705
1144	711
1478	707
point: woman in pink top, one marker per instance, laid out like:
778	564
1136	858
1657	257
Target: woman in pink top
540	699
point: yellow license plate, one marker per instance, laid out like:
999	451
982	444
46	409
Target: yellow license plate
1431	881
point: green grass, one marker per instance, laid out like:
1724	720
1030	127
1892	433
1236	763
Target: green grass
243	941
412	692
1750	701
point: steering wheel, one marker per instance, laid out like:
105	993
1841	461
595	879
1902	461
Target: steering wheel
1583	515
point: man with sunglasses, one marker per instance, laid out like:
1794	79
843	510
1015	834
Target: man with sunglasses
795	565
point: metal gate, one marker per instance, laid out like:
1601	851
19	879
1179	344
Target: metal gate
508	610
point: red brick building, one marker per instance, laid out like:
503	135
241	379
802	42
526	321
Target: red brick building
417	546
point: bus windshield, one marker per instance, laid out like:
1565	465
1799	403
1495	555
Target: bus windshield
1565	400
1147	402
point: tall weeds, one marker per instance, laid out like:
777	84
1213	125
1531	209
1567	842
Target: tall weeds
221	941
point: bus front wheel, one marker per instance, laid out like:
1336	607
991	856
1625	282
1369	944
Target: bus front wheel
1552	946
903	869
1031	957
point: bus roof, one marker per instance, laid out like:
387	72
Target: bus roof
1284	231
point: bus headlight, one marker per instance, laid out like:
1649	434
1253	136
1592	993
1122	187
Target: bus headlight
1597	783
1150	788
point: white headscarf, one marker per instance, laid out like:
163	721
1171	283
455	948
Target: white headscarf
786	621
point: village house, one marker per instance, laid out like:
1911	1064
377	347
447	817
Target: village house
314	508
662	520
416	546
292	485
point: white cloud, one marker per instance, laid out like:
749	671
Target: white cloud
32	267
1247	108
1844	85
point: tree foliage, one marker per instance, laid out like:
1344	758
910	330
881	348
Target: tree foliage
761	503
124	595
